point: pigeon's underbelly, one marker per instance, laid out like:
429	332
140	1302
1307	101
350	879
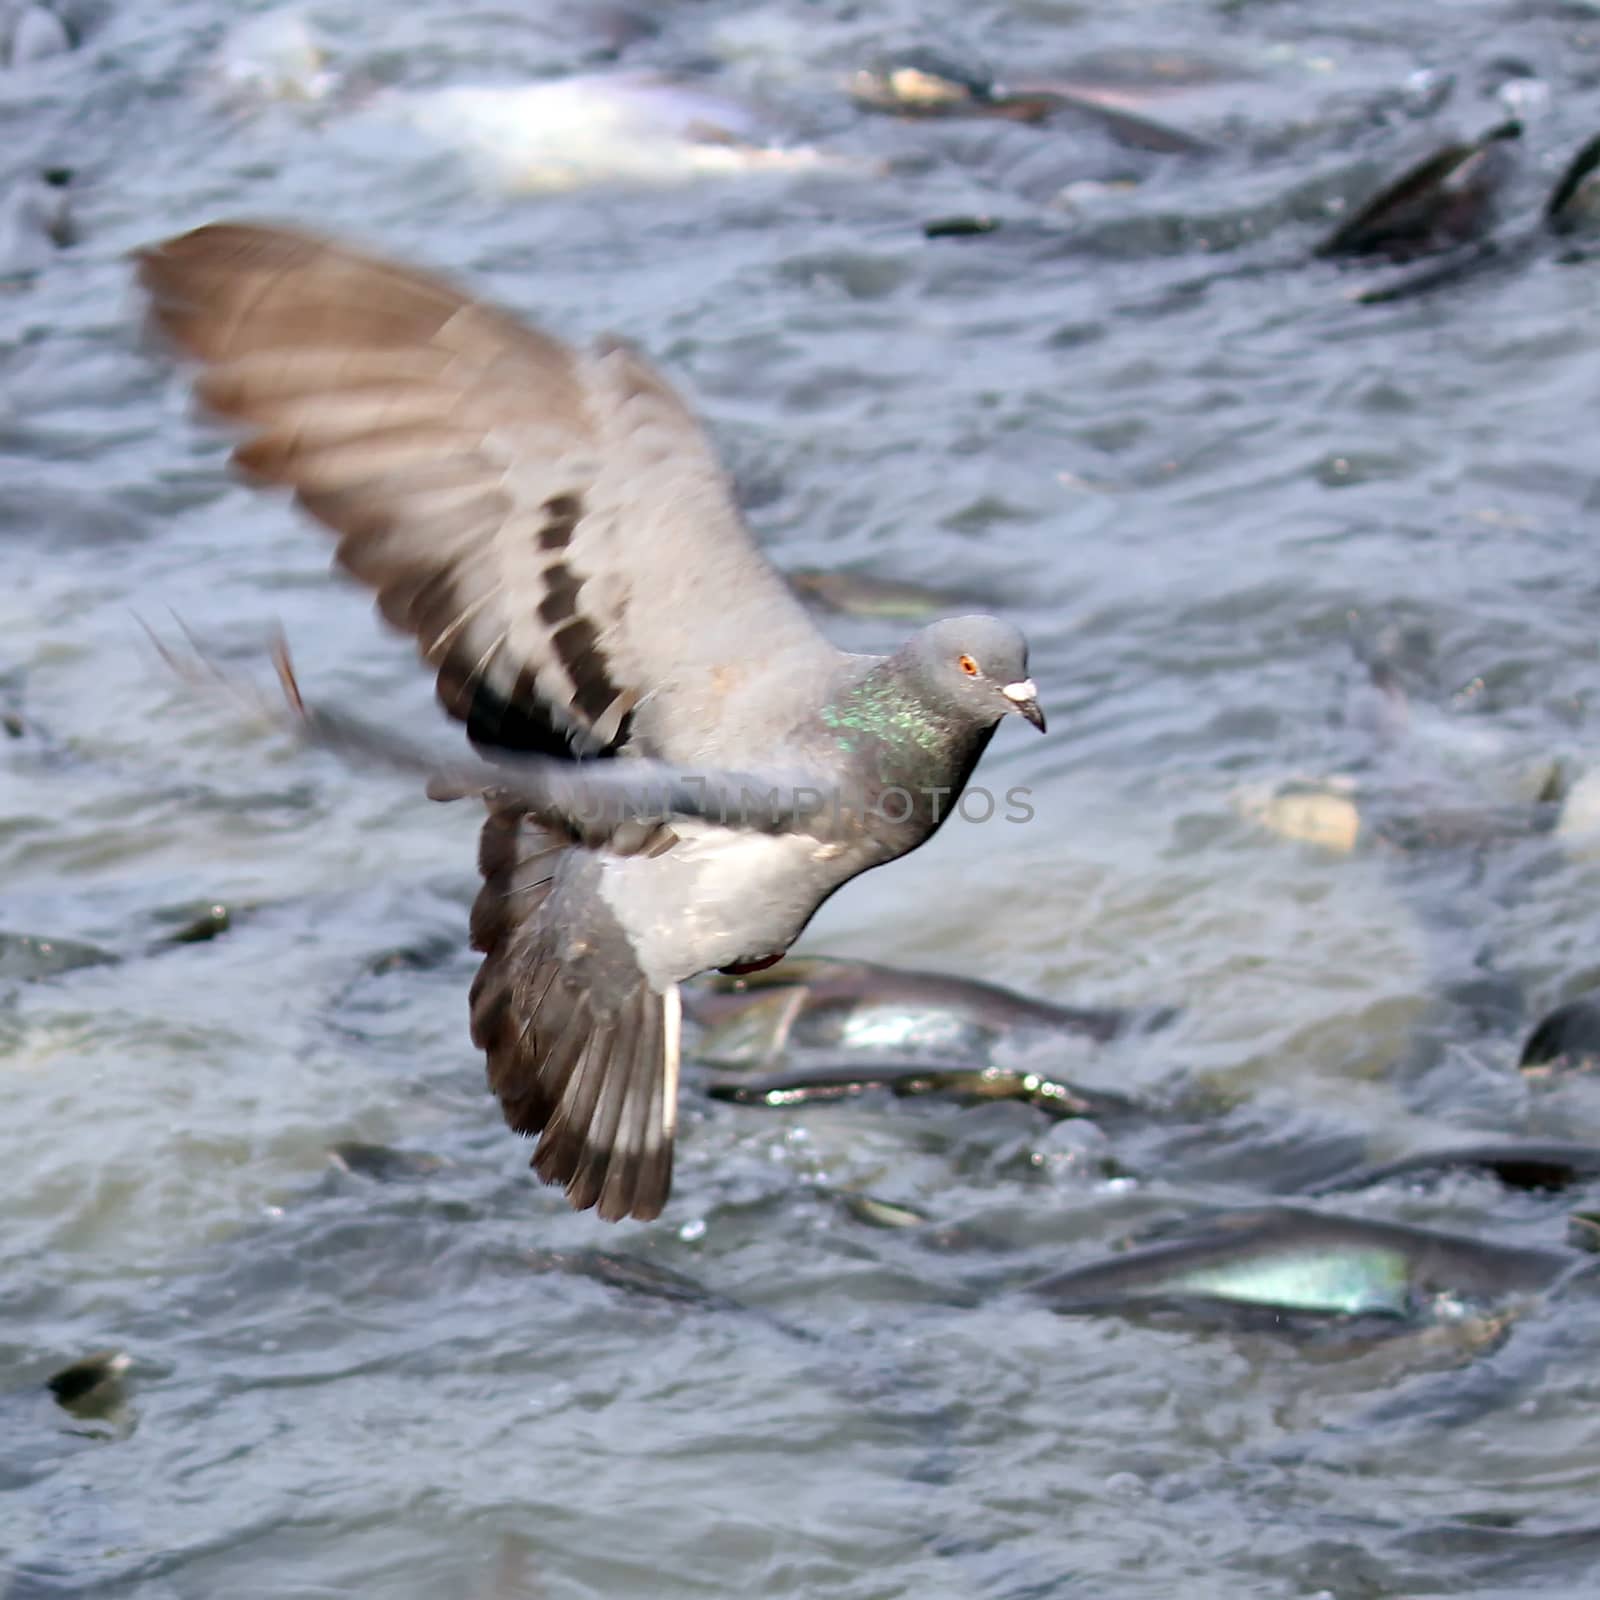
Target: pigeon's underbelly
719	899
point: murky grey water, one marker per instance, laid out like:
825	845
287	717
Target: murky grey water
1203	480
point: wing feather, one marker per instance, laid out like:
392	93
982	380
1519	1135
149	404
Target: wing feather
552	526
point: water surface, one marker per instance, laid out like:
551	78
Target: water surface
1206	483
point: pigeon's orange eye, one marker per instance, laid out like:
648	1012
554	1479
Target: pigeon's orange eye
968	666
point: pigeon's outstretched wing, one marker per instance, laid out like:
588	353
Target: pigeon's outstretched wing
582	800
551	525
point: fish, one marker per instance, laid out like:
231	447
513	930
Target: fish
820	1002
1519	1164
1292	1260
1448	199
1564	1042
27	956
1570	213
1574	203
571	133
92	1385
924	83
907	1079
383	1163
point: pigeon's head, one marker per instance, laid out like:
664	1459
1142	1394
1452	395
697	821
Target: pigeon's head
977	666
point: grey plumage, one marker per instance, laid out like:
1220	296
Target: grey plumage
554	529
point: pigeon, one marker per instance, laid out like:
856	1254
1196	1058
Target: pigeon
553	527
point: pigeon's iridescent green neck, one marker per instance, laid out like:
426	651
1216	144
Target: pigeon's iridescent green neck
879	709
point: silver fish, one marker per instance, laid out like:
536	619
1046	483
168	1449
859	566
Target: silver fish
1292	1260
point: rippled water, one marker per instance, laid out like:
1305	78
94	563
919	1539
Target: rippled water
1208	485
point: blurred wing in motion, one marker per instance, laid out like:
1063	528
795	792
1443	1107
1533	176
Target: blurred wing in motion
582	798
551	525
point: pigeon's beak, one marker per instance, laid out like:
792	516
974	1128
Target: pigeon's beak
1024	698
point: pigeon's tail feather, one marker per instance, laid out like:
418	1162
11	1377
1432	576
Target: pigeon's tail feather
609	1141
582	1050
600	1093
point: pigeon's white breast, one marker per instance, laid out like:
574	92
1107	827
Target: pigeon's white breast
718	898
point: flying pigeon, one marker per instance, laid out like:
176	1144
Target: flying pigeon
555	530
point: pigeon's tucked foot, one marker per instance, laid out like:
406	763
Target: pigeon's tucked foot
582	1050
745	968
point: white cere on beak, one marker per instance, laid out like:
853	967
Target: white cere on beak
1021	692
